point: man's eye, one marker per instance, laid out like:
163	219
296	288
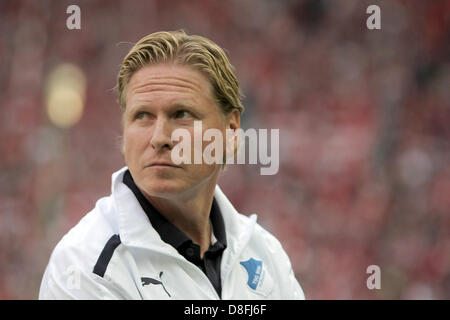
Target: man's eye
141	115
182	114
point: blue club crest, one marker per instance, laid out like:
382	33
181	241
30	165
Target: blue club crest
254	269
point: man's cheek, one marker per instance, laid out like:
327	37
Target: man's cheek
127	151
122	146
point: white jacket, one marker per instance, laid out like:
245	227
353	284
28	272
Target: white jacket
132	262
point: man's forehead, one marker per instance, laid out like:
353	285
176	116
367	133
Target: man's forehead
169	77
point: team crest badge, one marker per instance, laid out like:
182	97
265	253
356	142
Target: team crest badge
254	269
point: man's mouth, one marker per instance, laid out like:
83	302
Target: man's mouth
162	164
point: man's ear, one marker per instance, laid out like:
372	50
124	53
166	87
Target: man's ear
233	123
234	119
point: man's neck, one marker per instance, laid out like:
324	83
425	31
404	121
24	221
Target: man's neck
190	213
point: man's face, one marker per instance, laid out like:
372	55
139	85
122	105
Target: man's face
159	99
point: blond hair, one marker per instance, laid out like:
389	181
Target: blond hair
179	47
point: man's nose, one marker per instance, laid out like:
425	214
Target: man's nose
161	136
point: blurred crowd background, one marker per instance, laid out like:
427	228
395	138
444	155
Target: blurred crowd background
364	119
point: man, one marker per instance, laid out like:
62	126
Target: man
167	231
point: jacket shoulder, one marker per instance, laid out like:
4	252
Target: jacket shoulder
82	245
270	241
71	270
266	247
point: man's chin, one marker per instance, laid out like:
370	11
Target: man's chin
164	189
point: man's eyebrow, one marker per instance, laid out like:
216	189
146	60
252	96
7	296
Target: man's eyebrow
181	105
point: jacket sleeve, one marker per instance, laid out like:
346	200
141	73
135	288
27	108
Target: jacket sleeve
67	277
290	288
